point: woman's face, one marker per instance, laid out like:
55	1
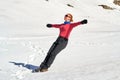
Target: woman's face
67	18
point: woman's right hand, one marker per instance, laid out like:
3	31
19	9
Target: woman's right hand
49	25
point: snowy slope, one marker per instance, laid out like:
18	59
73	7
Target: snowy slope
92	52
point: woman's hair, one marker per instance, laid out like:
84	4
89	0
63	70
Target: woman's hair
70	16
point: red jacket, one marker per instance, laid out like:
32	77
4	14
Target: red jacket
65	29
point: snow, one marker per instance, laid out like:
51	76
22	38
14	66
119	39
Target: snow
92	52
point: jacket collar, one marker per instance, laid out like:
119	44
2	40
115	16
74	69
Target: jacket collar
66	22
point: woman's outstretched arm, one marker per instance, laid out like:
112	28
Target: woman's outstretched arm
79	23
54	25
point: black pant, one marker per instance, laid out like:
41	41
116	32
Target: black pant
57	46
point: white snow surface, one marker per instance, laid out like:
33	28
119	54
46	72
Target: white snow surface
93	51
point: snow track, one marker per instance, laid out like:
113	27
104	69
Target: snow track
26	65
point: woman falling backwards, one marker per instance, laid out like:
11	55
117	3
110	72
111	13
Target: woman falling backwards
61	42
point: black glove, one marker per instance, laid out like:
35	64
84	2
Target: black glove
49	25
84	21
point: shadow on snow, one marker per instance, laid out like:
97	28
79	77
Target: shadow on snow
28	66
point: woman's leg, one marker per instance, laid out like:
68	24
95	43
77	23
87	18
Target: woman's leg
54	50
43	64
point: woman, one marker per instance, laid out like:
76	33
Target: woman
61	42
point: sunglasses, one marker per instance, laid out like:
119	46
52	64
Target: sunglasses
68	16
